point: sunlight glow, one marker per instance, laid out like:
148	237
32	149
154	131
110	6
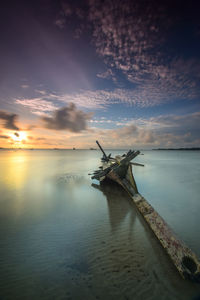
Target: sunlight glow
19	136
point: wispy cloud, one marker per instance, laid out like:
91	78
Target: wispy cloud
37	105
98	99
85	99
60	22
24	86
178	123
109	74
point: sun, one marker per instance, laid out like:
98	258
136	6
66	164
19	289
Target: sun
18	136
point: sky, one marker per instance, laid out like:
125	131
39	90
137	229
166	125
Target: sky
124	72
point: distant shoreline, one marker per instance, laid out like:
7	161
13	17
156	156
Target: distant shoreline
188	149
156	149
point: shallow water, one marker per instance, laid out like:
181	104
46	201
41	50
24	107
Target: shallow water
64	237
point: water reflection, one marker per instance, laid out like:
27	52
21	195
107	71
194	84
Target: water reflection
119	204
14	169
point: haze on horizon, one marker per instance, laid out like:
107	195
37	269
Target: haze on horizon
124	72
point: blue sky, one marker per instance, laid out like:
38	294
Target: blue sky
125	72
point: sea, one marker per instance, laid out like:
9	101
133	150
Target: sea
63	236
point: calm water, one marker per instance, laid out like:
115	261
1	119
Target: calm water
62	237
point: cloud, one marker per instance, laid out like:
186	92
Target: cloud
131	38
77	15
148	96
67	9
131	136
97	99
187	125
125	132
36	138
86	99
177	124
42	92
30	127
102	121
124	31
60	22
4	136
67	118
162	131
40	139
37	105
24	86
9	120
109	74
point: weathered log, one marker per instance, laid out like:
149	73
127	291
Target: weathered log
182	257
120	171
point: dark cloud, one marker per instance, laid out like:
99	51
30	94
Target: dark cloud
40	139
30	127
69	118
4	137
9	120
36	139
